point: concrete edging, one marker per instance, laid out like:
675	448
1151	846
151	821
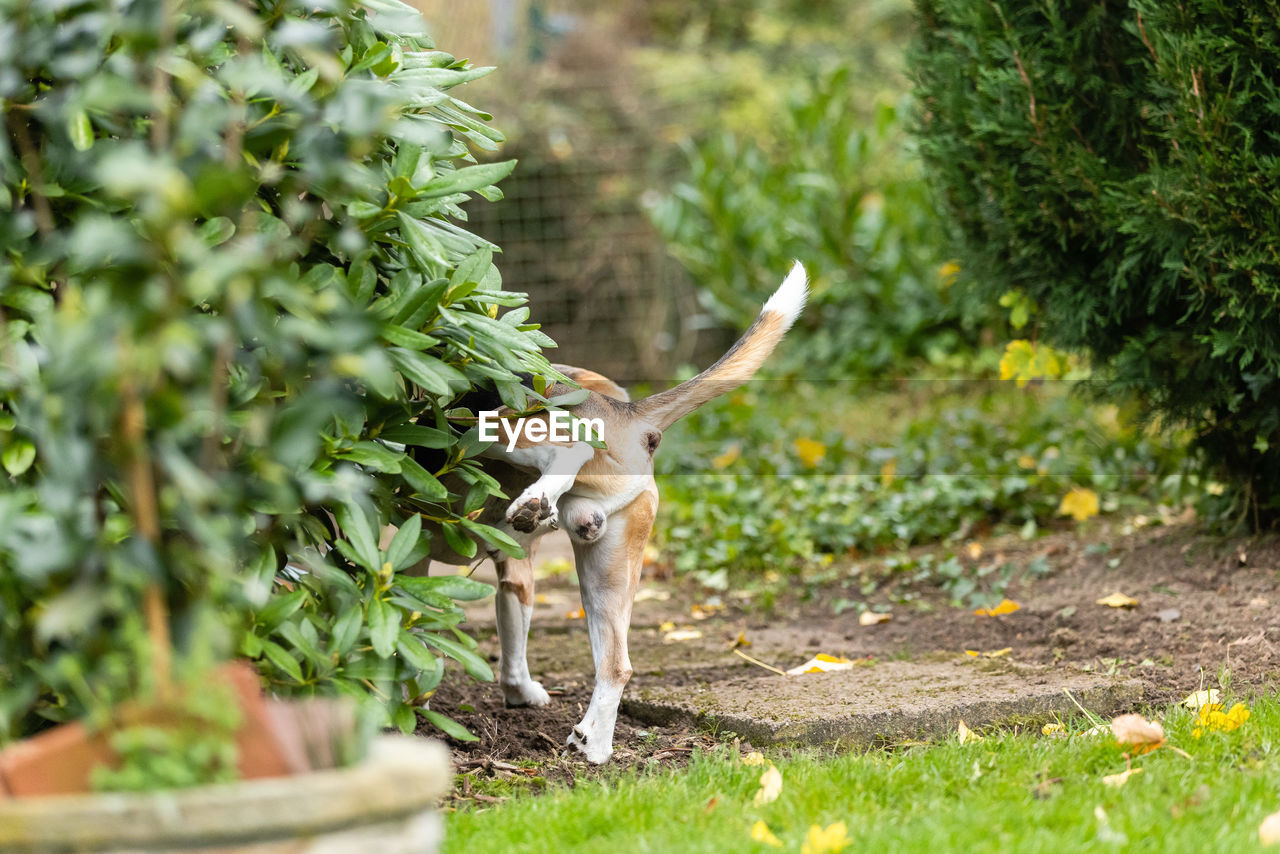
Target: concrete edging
386	801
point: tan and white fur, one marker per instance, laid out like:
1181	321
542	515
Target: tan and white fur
606	500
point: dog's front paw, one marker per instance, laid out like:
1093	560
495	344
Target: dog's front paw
528	511
593	748
529	693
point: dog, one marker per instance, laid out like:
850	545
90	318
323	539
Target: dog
606	500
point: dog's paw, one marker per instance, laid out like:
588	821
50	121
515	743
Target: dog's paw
528	511
526	694
594	749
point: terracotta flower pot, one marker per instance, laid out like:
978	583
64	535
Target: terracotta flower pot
60	760
384	804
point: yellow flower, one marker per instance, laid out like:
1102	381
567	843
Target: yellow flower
829	840
887	472
811	452
1079	504
1027	461
1211	718
760	833
948	272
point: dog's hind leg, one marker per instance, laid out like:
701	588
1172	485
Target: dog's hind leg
514	606
608	575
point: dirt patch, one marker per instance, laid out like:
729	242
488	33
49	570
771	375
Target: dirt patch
1208	614
518	748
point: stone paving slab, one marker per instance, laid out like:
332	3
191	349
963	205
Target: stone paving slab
887	702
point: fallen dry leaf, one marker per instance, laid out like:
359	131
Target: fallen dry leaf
575	615
668	626
871	618
831	839
740	642
1006	606
770	786
760	833
1118	780
821	663
1079	504
1202	698
681	635
650	593
1137	733
755	757
974	550
1056	730
701	611
1118	600
995	653
728	458
1269	830
966	735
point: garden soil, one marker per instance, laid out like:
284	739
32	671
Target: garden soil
1207	614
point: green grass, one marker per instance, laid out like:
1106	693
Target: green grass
1007	793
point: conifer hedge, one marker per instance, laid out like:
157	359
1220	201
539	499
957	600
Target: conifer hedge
1119	165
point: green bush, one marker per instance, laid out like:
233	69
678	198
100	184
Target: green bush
1116	164
841	194
233	292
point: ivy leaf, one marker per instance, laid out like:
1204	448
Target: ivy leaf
18	456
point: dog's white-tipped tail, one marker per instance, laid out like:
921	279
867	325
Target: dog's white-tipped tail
788	300
743	359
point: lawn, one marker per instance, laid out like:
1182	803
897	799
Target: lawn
1010	791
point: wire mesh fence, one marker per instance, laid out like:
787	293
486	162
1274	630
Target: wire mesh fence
572	227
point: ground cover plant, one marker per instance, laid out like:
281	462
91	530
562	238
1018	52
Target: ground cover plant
790	475
1208	787
1114	166
234	292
